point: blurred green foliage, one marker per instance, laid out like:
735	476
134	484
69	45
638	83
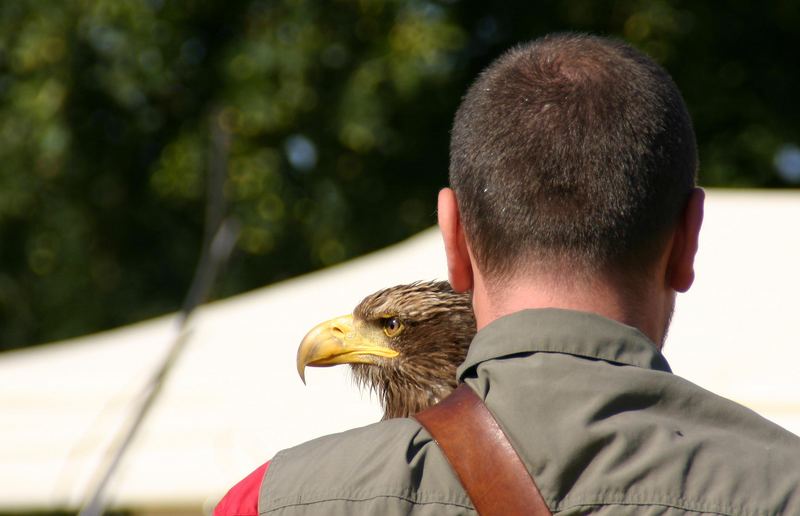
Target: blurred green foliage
338	114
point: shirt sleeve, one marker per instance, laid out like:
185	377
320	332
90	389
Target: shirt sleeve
242	499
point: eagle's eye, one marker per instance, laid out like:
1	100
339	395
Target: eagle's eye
392	326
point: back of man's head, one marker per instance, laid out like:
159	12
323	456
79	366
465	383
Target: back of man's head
572	150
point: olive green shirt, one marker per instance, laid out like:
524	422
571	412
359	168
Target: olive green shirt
595	413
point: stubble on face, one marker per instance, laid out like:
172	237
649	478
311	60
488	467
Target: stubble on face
669	311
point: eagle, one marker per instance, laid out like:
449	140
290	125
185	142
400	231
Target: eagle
403	343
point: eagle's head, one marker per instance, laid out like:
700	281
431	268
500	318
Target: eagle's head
404	343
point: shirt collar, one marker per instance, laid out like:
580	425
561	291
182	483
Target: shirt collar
553	330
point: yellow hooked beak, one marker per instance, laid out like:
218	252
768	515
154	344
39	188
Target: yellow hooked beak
338	342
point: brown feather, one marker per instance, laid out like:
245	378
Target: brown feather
438	326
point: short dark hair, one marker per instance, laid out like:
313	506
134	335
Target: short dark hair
571	147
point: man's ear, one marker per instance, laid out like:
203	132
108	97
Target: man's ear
459	266
680	269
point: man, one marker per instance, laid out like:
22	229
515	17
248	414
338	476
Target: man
573	219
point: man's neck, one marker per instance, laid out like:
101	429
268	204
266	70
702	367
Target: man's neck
648	310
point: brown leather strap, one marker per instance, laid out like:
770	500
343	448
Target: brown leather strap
477	449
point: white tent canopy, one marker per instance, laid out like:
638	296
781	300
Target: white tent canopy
234	398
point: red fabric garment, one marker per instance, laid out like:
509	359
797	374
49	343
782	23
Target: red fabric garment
242	499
